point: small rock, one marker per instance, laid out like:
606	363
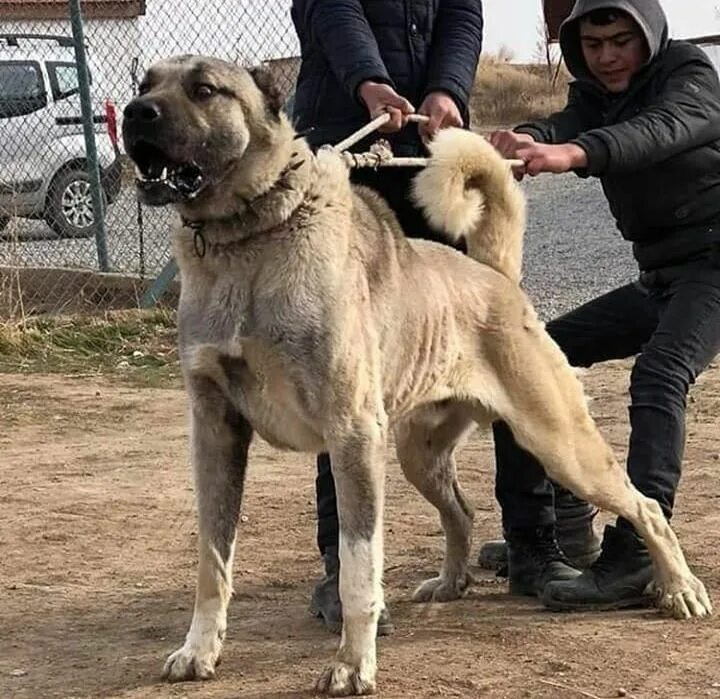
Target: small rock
622	692
244	518
137	354
18	673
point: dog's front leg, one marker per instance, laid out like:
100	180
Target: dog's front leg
220	438
357	458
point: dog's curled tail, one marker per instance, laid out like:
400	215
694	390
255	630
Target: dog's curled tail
467	189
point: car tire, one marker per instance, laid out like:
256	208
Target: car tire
69	210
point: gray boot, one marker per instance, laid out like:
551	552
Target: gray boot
493	556
325	601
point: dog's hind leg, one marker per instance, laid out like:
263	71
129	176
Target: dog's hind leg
357	456
548	415
426	453
220	438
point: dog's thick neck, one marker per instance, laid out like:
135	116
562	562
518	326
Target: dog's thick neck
253	176
269	204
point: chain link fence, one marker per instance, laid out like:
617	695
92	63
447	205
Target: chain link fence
54	256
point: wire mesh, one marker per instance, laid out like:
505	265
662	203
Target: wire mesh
48	250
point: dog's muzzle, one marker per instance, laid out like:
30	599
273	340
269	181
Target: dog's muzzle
160	178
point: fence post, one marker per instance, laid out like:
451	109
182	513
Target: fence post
89	131
158	287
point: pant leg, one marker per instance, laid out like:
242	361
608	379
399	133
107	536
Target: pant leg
685	342
327	518
612	326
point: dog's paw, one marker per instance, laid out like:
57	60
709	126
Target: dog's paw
190	663
344	680
442	589
685	599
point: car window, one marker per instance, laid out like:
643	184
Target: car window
63	79
22	90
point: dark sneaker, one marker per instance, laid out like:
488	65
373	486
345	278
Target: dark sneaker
325	601
534	560
619	578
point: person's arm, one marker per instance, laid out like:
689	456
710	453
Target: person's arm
455	51
543	144
341	30
685	115
562	126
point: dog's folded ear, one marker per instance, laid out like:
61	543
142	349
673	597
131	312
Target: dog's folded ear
268	86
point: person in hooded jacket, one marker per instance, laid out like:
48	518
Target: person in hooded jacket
643	115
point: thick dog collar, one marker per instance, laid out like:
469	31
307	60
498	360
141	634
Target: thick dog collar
197	226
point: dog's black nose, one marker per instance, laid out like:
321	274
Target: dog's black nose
143	111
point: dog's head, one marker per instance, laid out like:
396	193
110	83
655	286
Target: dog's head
193	122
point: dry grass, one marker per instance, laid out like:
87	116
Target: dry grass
507	94
136	347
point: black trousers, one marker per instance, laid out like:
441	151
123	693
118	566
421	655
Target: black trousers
394	185
670	319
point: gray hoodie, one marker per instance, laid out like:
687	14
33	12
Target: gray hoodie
648	14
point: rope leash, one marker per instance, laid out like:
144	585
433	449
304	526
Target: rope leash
380	153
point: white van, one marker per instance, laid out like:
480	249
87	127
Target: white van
42	147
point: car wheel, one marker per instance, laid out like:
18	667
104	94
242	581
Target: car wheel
69	210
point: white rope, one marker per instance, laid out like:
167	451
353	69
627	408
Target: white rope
374	125
380	153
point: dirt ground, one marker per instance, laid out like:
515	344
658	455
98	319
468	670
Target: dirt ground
97	565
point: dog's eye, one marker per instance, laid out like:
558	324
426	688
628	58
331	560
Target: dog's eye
143	88
203	91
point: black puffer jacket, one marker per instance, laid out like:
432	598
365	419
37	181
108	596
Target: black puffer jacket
417	46
655	147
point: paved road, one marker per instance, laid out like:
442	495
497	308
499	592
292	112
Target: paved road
572	248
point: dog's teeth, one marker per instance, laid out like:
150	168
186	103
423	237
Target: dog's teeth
163	174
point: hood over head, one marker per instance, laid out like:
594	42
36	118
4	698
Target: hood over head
648	14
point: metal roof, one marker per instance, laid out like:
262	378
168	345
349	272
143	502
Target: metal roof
555	13
710	40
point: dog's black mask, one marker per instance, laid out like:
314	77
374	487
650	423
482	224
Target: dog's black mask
162	177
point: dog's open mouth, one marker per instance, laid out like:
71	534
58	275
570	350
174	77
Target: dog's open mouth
156	171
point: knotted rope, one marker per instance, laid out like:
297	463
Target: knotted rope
380	153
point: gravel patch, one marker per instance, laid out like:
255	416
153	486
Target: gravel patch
573	250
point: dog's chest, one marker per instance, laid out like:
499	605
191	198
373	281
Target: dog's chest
256	370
